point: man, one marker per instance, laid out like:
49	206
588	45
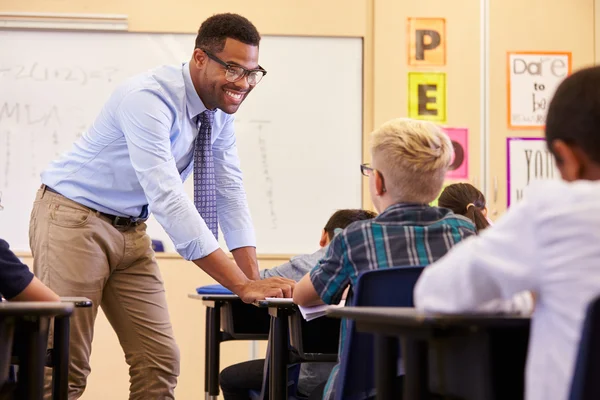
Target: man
87	232
238	380
410	161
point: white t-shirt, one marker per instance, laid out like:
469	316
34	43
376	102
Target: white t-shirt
549	244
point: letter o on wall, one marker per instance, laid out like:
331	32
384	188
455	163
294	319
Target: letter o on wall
459	156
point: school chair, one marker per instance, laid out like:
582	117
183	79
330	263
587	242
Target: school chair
585	384
227	318
391	287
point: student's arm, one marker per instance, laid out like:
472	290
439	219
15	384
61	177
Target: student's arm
326	282
305	293
36	291
495	265
283	270
16	280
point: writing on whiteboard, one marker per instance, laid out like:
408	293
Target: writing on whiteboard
42	73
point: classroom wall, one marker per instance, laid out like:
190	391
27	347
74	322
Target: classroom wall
535	25
350	18
514	25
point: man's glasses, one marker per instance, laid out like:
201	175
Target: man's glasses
1	207
234	72
366	169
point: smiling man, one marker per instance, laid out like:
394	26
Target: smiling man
87	229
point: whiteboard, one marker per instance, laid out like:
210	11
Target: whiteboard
528	159
299	133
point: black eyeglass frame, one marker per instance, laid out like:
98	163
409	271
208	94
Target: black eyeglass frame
229	66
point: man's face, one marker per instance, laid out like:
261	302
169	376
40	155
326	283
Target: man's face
215	90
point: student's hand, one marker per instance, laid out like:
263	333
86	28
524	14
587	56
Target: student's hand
270	287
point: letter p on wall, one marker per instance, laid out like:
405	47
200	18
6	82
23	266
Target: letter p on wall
427	41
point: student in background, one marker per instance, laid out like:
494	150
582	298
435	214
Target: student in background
410	160
547	243
237	380
17	283
299	266
465	199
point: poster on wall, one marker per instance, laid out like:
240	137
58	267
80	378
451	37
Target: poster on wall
459	169
532	80
427	96
426	41
527	160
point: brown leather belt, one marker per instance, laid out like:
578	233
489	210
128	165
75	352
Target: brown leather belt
115	220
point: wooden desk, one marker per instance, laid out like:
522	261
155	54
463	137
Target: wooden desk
471	345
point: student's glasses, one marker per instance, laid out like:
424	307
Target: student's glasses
1	206
366	169
234	72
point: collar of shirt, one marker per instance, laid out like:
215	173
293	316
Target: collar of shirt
195	106
408	210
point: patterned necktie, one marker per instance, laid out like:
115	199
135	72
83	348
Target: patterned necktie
205	192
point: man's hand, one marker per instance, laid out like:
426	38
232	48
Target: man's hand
271	287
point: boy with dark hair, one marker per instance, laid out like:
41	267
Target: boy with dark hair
547	244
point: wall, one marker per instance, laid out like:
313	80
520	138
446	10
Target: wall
351	18
513	25
462	64
535	25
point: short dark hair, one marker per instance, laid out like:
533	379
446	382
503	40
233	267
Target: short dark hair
215	30
465	199
342	218
574	113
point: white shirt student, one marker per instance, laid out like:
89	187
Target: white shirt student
548	244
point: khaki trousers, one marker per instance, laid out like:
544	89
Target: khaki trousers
78	252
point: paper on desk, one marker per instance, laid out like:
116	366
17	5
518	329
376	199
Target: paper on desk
310	313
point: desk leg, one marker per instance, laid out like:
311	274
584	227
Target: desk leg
206	351
60	359
31	370
279	353
386	366
214	345
416	368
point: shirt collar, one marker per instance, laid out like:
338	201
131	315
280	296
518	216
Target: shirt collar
408	210
195	106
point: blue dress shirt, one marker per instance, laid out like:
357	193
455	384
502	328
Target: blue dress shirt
138	152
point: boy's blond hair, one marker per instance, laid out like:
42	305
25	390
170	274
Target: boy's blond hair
413	156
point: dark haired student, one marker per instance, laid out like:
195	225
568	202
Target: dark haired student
465	199
87	228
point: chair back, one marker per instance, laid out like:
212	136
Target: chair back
586	383
391	287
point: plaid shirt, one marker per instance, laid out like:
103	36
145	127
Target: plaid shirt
403	235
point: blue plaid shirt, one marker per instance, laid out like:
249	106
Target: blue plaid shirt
403	235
